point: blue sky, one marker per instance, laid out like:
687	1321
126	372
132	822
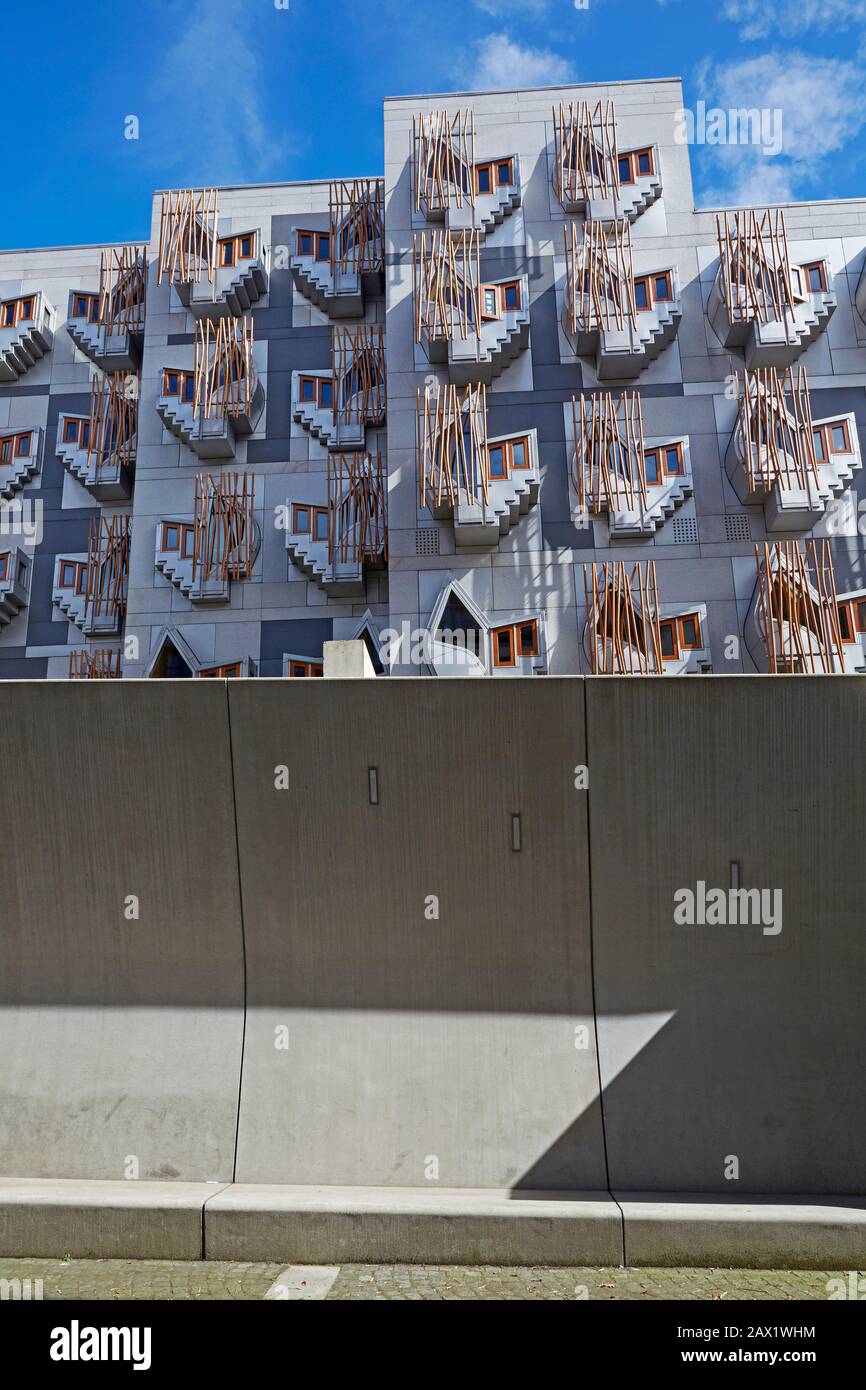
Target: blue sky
243	91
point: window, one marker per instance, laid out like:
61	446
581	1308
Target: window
320	523
498	467
527	638
15	311
301	520
832	438
680	634
662	286
636	164
73	575
503	646
181	384
15	446
179	536
846	626
508	454
316	244
816	280
505	173
236	248
4	567
484	178
511	294
860	611
489	302
84	306
221	672
305	668
317	390
76	432
653	289
674	460
651	466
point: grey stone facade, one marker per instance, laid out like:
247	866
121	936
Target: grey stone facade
516	558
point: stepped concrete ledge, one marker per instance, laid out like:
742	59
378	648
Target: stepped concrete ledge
695	1231
46	1218
50	1217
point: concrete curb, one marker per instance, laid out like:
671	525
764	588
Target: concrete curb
701	1231
46	1218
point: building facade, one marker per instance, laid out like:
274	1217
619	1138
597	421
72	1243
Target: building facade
516	407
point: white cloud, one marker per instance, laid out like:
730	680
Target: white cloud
821	111
784	17
207	114
500	64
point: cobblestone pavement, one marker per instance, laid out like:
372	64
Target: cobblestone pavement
178	1279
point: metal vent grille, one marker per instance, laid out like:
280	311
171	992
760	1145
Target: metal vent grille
738	528
427	540
685	530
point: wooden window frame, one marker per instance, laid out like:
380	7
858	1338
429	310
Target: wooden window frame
224	672
485	312
17	306
495	634
76	567
306	668
859	607
298	530
503	476
653	454
165	544
532	624
838	425
847	618
316	513
648	281
300	250
672	626
4	566
697	645
91	312
320	385
669	282
486	167
679	471
806	272
503	290
512	444
823	438
505	164
634	173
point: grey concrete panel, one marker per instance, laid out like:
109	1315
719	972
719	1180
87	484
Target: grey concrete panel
386	1044
728	1049
120	1039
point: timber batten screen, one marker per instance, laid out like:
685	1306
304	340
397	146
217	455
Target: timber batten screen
443	150
224	526
622	616
453	455
357	508
609	466
356	214
586	160
755	265
358	367
188	235
599	277
107	574
122	289
446	284
224	370
94	663
775	420
111	440
798	608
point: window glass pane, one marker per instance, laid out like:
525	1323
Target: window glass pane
490	302
861	616
503	646
651	464
518	453
818	437
624	169
321	526
326	392
644	162
668	643
308	389
662	287
512	297
503	172
324	246
640	294
690	632
816	278
672	460
302	519
526	634
840	443
844	623
497	462
246	246
484	179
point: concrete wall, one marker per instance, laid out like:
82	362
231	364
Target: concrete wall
413	1038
